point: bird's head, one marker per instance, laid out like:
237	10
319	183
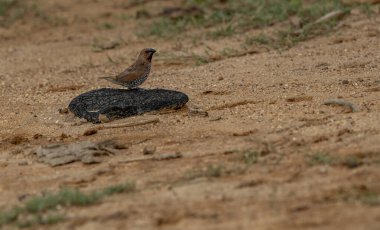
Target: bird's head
147	54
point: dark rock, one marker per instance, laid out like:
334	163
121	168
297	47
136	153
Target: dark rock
121	103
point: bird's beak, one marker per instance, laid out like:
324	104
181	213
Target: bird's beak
151	50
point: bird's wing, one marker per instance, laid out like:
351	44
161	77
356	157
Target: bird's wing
132	73
121	75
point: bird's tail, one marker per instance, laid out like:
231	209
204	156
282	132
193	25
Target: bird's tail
108	78
111	79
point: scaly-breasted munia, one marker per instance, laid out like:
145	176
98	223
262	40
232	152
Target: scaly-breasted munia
137	73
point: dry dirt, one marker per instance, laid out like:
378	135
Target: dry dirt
269	103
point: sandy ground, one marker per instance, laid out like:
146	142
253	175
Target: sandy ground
270	102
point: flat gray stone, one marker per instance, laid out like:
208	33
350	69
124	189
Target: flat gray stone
121	103
86	152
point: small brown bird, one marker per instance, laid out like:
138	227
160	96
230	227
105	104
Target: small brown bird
137	73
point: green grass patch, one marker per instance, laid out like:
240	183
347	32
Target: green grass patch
243	14
39	219
370	199
10	10
223	31
65	197
212	171
291	22
367	195
5	6
120	188
106	26
42	210
250	157
260	39
167	28
200	59
351	161
323	158
13	10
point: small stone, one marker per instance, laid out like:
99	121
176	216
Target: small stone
17	140
23	163
168	156
322	65
63	136
120	146
254	87
345	82
63	110
3	164
220	78
296	22
37	136
103	118
90	132
197	112
149	150
299	98
323	170
86	152
23	197
80	121
215	118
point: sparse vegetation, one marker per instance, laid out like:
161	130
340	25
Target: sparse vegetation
106	26
214	171
293	21
250	157
211	171
5	5
364	194
246	15
351	161
43	209
370	198
199	60
259	39
13	10
9	11
223	31
323	158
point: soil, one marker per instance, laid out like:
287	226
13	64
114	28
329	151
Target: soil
268	105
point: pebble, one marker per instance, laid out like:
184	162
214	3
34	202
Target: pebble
149	150
63	110
23	163
90	132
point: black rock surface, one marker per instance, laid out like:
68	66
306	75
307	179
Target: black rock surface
121	103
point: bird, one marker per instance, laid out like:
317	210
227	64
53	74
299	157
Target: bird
137	73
